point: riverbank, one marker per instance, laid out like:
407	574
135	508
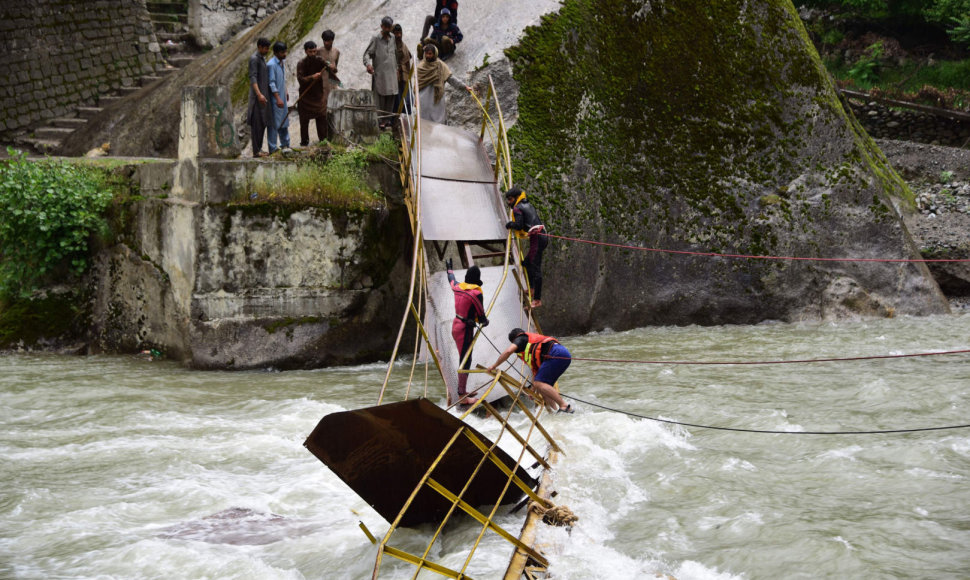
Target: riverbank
940	179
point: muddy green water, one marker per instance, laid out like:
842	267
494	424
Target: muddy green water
116	467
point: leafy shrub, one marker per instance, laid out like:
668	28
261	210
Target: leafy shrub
866	69
48	211
385	148
960	33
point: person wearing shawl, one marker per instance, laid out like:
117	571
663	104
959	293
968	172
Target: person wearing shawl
432	76
469	309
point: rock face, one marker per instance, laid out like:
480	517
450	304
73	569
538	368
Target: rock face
221	19
707	127
940	177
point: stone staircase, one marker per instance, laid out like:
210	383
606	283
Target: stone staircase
170	21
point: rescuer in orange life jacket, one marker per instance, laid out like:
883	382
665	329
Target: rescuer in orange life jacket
469	309
546	357
527	225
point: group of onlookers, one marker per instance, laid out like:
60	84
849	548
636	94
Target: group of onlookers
387	58
389	61
268	112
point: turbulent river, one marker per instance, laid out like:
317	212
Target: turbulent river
117	467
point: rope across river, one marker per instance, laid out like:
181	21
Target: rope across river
756	257
759	431
766	431
770	362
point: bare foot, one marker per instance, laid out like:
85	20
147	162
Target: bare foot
536	303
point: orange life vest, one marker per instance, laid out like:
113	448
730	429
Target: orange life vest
532	355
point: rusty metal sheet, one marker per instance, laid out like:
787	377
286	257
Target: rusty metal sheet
461	211
506	314
452	153
383	452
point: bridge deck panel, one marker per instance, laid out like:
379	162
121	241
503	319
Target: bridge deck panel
507	314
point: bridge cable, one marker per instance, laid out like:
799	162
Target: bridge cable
764	431
765	362
755	257
742	430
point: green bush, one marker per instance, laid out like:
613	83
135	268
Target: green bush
48	212
866	70
960	33
385	148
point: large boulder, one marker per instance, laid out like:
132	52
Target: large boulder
703	126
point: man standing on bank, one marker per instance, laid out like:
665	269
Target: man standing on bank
469	310
548	360
380	59
312	76
330	57
403	101
526	224
258	114
279	127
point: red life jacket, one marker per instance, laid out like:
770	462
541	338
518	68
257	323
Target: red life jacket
468	302
532	355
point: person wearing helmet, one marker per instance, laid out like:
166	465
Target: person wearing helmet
526	224
547	359
469	310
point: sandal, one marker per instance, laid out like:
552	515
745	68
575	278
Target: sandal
569	409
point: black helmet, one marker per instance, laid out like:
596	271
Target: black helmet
474	276
515	333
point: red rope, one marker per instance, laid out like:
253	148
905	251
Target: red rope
749	256
769	362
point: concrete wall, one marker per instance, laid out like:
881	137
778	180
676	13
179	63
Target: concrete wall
221	284
59	54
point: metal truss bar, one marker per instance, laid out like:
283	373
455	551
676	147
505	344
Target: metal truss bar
486	521
515	434
505	468
414	494
422	563
533	418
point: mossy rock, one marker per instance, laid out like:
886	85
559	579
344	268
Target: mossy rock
673	124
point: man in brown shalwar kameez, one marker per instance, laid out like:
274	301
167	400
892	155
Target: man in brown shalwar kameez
313	76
